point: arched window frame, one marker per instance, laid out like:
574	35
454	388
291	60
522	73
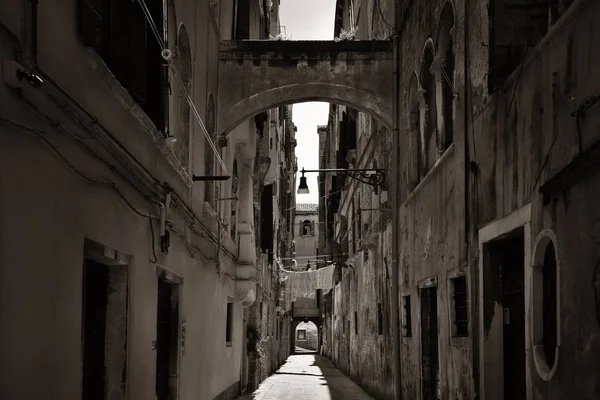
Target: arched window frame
428	107
307	228
444	67
209	155
415	139
545	368
184	69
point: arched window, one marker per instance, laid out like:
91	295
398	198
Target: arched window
415	139
444	72
234	201
546	304
306	228
184	67
428	109
209	155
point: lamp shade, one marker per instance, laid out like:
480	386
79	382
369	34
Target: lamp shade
303	187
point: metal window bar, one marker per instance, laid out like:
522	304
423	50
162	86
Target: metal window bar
461	307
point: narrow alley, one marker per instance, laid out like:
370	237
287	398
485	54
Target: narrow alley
299	199
308	376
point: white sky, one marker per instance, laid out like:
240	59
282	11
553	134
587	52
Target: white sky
308	20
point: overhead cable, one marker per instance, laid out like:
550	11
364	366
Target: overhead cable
165	54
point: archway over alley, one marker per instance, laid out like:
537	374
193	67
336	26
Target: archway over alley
256	75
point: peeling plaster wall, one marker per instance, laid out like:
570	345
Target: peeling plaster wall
521	147
431	236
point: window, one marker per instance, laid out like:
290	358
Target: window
306	228
379	319
460	307
209	153
445	78
549	301
407	323
234	201
180	125
415	140
120	34
229	322
355	323
515	29
546	304
301	334
428	109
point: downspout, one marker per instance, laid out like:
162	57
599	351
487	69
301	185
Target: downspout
395	204
467	224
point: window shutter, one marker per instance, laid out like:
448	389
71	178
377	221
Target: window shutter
128	48
242	29
91	21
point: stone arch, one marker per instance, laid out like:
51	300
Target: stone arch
304	92
445	27
445	63
294	324
428	106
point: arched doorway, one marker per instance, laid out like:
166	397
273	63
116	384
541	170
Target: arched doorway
305	336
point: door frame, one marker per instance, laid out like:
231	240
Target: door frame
425	283
177	280
520	218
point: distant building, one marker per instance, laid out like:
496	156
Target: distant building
306	224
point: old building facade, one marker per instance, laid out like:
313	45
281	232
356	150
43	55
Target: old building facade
135	279
357	332
497	155
306	223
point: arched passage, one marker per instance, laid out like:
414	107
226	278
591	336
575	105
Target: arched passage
255	76
304	324
300	93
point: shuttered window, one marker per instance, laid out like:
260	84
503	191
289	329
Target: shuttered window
91	23
120	34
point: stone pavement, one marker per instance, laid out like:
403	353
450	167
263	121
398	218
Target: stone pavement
308	376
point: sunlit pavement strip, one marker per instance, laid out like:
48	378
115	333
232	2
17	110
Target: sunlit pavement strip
308	377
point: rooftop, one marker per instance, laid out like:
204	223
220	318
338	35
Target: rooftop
307	207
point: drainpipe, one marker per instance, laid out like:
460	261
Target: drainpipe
395	207
468	170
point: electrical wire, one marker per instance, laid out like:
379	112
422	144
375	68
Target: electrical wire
183	87
74	169
57	125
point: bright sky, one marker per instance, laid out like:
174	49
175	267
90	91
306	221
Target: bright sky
308	20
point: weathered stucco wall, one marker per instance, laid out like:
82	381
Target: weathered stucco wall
306	245
432	214
50	212
524	136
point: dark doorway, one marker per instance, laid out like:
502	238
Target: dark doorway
95	298
510	255
167	340
429	343
104	350
504	315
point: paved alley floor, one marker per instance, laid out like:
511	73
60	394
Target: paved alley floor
308	376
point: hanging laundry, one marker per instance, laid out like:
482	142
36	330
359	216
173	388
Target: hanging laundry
305	284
